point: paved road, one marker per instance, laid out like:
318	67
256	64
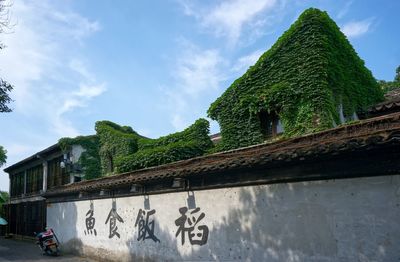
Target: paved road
12	250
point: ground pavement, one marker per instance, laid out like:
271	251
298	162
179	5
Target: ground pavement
12	250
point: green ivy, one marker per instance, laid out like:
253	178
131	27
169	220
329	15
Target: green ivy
89	159
158	156
117	148
197	133
303	78
193	141
115	141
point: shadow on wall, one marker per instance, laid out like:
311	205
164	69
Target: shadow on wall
336	220
68	230
311	221
150	242
65	224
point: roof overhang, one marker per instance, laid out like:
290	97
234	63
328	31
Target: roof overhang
41	154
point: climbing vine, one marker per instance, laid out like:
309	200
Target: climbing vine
303	78
117	148
115	141
89	159
193	141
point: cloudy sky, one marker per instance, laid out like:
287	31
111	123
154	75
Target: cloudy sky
153	65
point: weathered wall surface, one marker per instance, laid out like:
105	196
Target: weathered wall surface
333	220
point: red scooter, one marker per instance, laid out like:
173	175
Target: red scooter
48	242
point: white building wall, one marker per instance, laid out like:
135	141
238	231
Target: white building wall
76	152
334	220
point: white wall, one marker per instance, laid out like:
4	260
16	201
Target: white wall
336	220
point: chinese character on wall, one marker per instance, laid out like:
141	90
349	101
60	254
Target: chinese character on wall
146	225
113	217
90	221
189	223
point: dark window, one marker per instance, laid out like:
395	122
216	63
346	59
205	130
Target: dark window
55	174
77	179
34	179
271	125
17	184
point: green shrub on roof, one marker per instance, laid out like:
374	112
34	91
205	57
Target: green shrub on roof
197	133
117	148
159	155
303	79
115	141
193	141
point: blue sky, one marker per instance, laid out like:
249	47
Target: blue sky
153	65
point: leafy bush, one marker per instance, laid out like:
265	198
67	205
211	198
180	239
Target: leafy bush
158	156
120	149
114	141
193	141
198	133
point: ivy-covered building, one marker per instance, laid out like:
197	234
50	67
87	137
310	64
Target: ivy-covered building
117	149
311	79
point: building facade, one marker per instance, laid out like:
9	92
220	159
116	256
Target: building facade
29	181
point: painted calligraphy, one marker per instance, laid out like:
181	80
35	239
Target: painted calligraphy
146	226
197	234
90	222
113	217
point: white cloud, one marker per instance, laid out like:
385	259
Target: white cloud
77	99
70	20
229	18
197	71
357	28
89	91
178	123
79	67
345	9
197	74
37	61
244	62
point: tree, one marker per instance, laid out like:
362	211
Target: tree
5	87
4	197
397	77
391	85
3	156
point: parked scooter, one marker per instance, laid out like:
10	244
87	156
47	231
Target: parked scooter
48	242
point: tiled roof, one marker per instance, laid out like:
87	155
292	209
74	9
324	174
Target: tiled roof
391	103
371	133
43	153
